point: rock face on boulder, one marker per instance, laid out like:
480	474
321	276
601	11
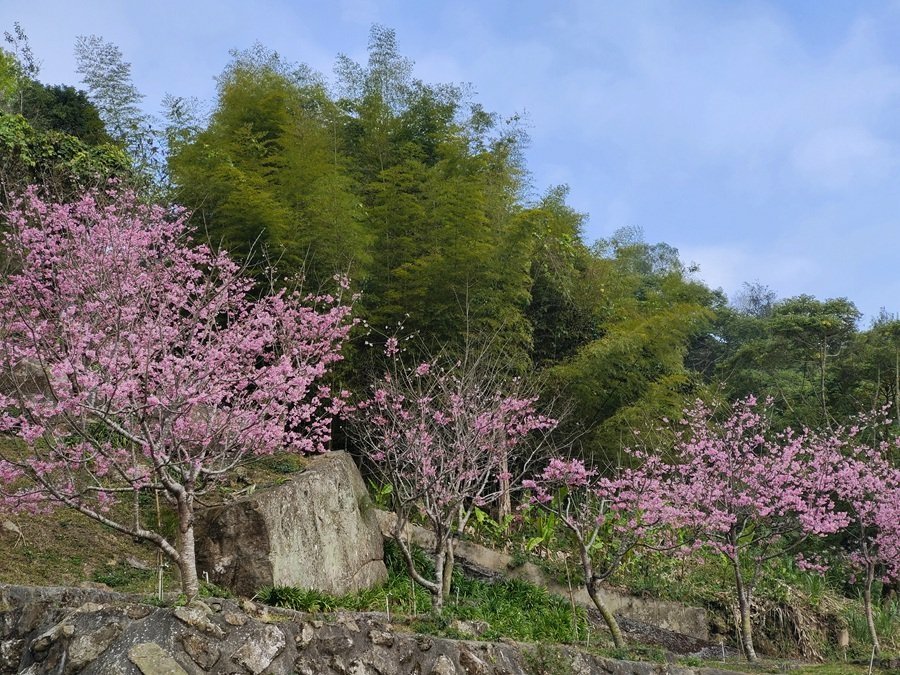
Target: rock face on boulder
58	631
316	531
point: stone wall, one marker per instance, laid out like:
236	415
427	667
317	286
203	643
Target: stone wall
65	631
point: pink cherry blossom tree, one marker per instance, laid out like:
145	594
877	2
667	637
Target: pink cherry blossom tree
748	493
607	519
442	435
134	362
867	488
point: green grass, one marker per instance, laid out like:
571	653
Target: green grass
887	625
123	577
511	608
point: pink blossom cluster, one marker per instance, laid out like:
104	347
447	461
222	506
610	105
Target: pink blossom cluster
632	502
738	485
441	436
134	356
867	488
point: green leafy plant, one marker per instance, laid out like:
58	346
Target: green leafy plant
300	599
121	575
381	494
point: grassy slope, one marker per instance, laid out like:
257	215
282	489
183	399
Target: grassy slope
65	548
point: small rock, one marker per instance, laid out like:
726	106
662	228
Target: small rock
197	603
473	628
349	624
336	645
235	618
151	659
137	563
86	648
201	651
443	666
89	608
258	653
305	636
472	664
381	638
358	667
196	617
43	641
137	612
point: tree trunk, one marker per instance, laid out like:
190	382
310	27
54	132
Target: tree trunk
187	563
822	383
437	592
746	627
897	385
594	591
449	562
608	617
867	602
433	587
505	504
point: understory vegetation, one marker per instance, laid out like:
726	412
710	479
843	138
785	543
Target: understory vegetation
510	608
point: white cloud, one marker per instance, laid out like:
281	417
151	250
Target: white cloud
729	266
836	158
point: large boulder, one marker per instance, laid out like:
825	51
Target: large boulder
316	531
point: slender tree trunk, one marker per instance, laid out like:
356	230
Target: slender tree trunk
449	562
594	591
433	587
746	627
505	503
867	602
187	563
608	617
897	385
437	592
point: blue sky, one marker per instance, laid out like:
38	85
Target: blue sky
761	139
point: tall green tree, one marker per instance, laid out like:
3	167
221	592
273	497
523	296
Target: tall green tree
62	165
441	183
798	352
18	68
873	366
635	373
50	136
565	309
107	76
267	173
46	107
